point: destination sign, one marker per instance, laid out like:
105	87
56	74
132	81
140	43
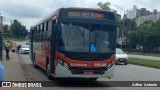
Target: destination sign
90	15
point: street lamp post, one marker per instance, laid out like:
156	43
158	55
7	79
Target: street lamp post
1	22
122	24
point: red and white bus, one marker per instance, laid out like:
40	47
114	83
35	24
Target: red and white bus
75	43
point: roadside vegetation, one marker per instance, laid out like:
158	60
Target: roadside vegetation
146	54
143	62
15	32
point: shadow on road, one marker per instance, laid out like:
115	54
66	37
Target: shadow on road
72	82
79	83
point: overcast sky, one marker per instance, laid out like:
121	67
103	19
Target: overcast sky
28	12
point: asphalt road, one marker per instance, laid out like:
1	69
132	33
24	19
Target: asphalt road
122	73
144	57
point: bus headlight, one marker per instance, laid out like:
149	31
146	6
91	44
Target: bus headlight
64	64
60	61
109	65
113	62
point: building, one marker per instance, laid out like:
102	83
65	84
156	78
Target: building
1	23
142	15
118	16
153	17
143	12
133	13
155	12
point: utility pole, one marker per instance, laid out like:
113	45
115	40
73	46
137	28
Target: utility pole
122	24
1	35
1	23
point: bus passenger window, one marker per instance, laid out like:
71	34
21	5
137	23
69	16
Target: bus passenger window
47	34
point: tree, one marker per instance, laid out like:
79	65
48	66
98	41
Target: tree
18	30
147	35
6	30
105	6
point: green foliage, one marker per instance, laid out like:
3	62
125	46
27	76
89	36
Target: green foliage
16	30
129	26
147	35
6	30
105	6
150	63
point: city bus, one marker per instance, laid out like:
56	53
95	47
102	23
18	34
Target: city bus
75	43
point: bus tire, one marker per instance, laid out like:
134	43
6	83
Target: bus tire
48	72
34	62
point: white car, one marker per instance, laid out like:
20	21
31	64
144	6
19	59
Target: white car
121	57
24	49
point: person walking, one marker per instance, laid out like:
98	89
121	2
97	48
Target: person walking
18	47
7	47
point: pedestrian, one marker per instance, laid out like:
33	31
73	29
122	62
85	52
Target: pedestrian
18	47
7	47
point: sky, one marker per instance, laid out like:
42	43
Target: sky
29	12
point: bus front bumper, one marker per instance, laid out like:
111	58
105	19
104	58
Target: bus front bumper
62	72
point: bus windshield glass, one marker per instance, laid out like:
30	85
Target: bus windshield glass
85	37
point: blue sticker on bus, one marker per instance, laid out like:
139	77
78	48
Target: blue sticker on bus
93	48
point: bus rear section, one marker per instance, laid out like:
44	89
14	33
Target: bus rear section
82	44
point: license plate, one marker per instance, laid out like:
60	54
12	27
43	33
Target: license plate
88	72
122	59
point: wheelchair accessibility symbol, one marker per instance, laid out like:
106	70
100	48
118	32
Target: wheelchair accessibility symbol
93	48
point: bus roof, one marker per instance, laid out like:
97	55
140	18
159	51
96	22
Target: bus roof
96	9
56	13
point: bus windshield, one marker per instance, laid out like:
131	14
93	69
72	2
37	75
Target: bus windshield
84	37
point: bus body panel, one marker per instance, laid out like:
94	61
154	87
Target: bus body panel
42	51
65	73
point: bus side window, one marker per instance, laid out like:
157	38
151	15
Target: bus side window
46	35
48	31
42	31
36	34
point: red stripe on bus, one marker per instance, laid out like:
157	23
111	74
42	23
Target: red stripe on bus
85	64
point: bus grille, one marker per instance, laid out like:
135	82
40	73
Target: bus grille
96	71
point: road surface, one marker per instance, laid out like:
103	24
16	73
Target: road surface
122	73
20	68
144	57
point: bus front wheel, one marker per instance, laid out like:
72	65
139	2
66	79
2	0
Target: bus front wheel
49	72
34	62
